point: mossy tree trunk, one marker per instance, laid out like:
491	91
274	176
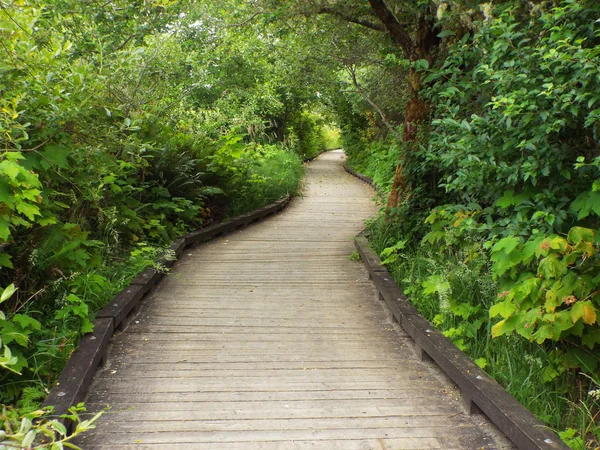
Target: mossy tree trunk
420	47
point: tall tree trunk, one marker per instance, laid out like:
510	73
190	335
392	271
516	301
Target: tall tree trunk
416	112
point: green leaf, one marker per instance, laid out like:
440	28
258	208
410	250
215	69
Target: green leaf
28	439
584	310
506	245
446	33
30	211
500	328
86	326
510	199
421	64
4	229
5	260
551	267
11	333
591	338
31	194
579	358
435	283
390	253
543	333
26	322
504	309
10	168
8	292
586	203
549	373
57	155
579	234
481	362
9	361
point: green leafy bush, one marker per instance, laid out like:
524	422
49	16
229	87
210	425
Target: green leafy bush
501	208
115	137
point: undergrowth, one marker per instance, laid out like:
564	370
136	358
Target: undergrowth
452	285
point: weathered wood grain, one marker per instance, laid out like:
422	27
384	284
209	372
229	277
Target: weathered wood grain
272	338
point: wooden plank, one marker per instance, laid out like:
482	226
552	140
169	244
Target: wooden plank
344	444
197	411
291	435
271	400
341	444
372	262
178	246
441	423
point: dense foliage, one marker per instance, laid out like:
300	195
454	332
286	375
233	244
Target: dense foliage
122	126
496	238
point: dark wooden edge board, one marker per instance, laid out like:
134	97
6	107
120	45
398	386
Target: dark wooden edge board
477	387
360	176
75	379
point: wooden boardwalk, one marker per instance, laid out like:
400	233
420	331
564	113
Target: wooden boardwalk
272	338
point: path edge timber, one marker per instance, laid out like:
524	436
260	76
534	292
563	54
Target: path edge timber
479	390
75	379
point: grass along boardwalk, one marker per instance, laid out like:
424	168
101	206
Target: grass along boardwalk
272	338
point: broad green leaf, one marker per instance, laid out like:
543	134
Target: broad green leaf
584	310
506	245
549	373
26	322
481	362
499	329
551	267
5	260
10	168
579	358
504	309
591	338
11	333
8	292
30	211
580	234
543	333
435	283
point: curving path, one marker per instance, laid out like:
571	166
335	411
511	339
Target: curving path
272	338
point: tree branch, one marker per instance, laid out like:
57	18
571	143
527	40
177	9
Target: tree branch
394	28
348	18
352	71
245	21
